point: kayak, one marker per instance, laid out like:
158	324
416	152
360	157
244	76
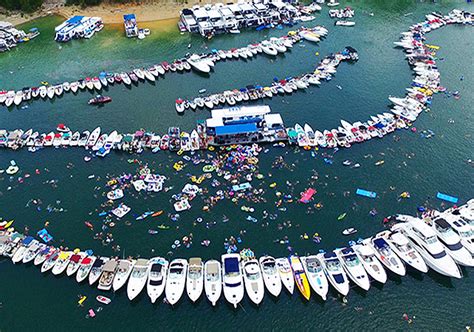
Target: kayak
5	224
342	216
144	215
81	300
158	213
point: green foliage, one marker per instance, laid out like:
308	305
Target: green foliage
85	3
23	5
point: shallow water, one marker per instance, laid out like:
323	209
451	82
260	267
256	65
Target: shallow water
436	164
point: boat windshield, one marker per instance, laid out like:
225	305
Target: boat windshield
333	265
138	273
194	275
314	267
212	277
466	234
431	240
351	260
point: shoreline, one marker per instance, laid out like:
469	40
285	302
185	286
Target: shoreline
110	14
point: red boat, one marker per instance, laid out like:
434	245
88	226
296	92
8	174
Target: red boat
99	100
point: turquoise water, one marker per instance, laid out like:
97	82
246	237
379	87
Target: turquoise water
420	166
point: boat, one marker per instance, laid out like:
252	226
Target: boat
349	231
462	227
107	274
195	278
402	247
386	255
271	276
23	249
370	262
99	100
300	277
345	23
156	277
423	238
138	278
85	267
50	261
232	280
74	263
62	128
253	280
61	263
97	268
102	299
353	267
93	137
285	273
213	281
451	241
33	250
316	277
179	106
43	255
124	269
198	64
334	272
176	280
268	48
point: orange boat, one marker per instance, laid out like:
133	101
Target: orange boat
158	213
300	277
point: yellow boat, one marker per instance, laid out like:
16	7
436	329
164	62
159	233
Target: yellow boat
6	224
433	46
300	277
81	300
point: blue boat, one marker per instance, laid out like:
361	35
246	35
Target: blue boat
447	198
366	193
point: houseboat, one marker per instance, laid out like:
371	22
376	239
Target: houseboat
78	27
243	125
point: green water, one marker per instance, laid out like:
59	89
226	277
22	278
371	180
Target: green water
421	166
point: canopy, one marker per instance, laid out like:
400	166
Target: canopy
236	129
231	265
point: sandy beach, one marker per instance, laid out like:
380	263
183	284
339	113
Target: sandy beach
153	11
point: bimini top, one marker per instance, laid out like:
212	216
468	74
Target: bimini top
75	19
129	17
231	265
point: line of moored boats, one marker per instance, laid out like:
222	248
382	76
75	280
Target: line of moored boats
441	242
324	71
200	62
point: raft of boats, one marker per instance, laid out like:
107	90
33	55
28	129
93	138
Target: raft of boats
323	72
442	241
199	62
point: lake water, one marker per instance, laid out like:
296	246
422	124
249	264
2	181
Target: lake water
31	300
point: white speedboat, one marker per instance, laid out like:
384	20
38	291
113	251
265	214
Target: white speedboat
107	274
316	276
232	280
195	279
138	278
43	255
50	261
402	247
370	262
268	48
353	267
386	255
85	267
124	270
93	137
345	23
334	272
424	239
271	276
157	278
253	281
197	63
23	249
451	242
176	280
33	250
286	274
74	263
96	269
310	36
213	281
